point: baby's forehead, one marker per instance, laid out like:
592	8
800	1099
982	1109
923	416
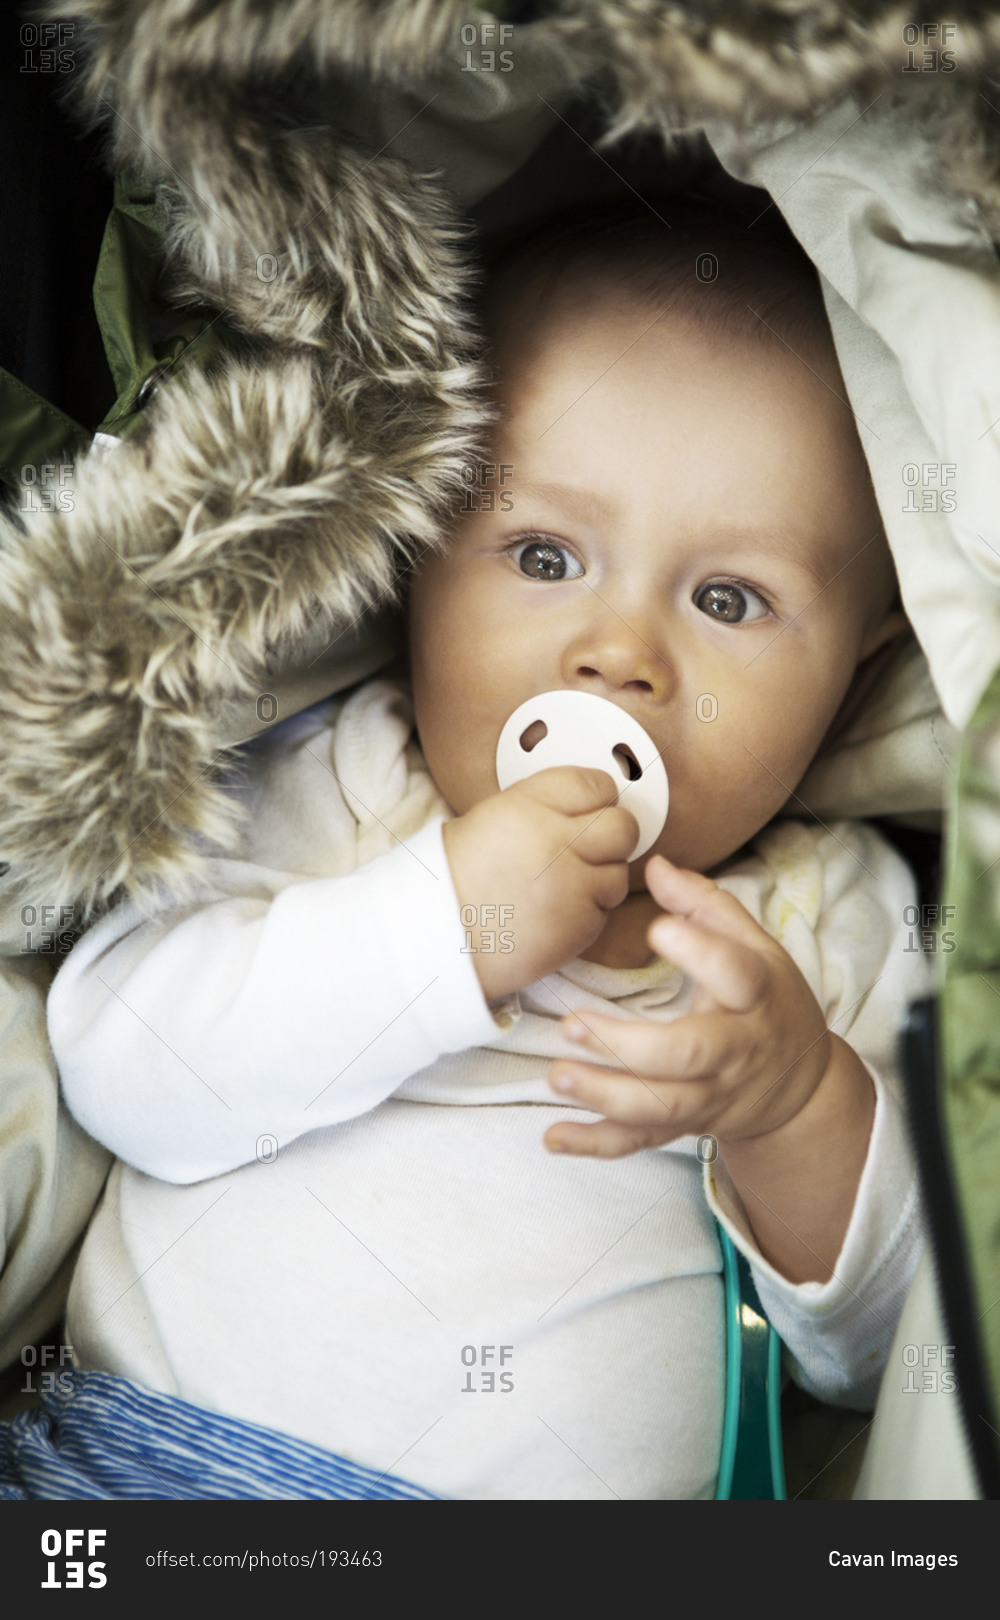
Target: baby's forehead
581	323
593	341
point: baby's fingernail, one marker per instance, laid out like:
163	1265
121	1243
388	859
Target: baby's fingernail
574	1030
555	1145
562	1082
665	933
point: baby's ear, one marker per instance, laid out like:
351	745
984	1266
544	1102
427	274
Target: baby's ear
894	625
869	667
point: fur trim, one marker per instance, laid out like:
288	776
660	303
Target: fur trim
673	63
212	100
251	505
670	65
288	487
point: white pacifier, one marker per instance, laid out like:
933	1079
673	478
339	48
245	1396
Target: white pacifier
583	729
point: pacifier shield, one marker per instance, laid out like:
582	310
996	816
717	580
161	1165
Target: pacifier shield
579	728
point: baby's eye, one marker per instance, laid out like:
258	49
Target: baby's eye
728	603
543	559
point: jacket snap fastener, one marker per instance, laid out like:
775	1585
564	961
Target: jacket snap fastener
149	387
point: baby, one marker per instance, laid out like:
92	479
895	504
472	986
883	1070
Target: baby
329	1085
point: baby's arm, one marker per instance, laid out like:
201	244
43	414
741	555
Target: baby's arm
183	1040
753	1066
824	1205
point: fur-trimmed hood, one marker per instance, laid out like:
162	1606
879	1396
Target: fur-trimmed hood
260	507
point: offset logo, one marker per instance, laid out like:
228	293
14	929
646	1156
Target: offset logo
59	1547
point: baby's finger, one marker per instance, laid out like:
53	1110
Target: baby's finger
632	1100
603	1140
697	1047
572	789
609	835
734	974
695	897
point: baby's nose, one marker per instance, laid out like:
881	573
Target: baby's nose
635	683
620	658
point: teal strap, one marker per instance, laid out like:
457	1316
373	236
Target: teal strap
751	1468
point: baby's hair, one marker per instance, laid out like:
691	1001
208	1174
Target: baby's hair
724	267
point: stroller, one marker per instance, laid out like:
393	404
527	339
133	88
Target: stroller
275	395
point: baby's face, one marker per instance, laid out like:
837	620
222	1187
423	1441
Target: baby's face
684	526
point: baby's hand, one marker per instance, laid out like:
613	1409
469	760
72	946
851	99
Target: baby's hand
743	1063
553	849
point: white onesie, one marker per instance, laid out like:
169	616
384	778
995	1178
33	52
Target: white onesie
333	1213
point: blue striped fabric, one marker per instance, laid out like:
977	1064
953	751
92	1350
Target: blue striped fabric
102	1437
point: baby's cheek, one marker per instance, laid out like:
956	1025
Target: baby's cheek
468	773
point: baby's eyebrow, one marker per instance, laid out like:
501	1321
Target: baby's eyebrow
775	547
577	501
788	552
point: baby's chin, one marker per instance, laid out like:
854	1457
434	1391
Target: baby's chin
708	863
637	874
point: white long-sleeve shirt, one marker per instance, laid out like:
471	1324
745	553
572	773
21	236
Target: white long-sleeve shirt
331	1147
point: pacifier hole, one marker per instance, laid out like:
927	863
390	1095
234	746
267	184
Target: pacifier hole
627	762
530	738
